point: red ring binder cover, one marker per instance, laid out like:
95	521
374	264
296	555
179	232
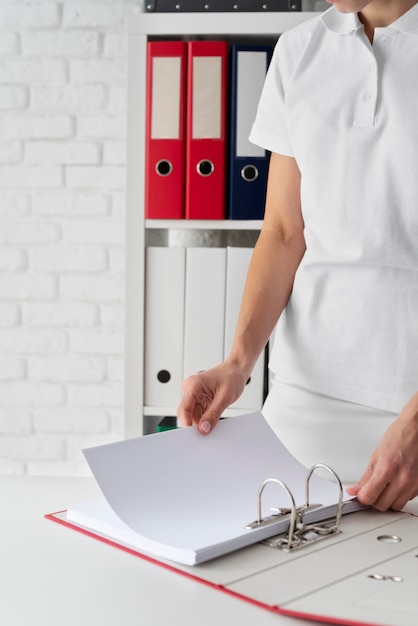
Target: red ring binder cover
165	129
206	130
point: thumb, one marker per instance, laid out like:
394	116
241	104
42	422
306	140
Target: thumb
353	490
209	420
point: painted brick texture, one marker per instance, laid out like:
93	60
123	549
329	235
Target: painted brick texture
62	210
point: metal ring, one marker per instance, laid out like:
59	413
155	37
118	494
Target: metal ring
293	515
340	499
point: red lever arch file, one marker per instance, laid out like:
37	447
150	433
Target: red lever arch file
165	129
206	130
351	580
314	555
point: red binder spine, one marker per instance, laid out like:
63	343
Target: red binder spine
206	130
165	130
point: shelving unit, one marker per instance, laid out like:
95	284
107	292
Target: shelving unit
142	27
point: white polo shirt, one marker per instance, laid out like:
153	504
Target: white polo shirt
348	112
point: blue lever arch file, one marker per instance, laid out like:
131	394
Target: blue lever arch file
248	164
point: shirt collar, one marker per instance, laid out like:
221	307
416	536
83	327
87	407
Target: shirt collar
345	23
408	22
340	23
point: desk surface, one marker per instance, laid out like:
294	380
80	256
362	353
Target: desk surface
50	575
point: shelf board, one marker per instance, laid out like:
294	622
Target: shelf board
175	24
203	224
163	411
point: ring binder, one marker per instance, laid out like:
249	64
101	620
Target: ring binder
353	579
299	533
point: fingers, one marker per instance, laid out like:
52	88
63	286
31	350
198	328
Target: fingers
391	477
354	490
208	421
191	406
207	394
375	489
201	404
392	499
209	418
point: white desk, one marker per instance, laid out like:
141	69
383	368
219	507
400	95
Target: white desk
52	576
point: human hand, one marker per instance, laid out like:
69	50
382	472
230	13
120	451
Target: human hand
206	395
391	478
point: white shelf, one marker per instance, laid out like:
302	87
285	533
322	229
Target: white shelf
141	28
219	24
204	224
163	411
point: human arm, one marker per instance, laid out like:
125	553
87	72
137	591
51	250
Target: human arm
276	257
391	478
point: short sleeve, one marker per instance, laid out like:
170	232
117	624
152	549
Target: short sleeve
270	129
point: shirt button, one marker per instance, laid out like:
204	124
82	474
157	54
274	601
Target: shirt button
367	96
384	41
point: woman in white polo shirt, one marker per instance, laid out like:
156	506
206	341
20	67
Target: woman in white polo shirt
336	263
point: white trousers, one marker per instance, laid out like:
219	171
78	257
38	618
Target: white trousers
320	429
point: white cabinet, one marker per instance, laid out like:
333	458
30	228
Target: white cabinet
244	27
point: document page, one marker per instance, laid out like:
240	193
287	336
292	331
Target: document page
194	494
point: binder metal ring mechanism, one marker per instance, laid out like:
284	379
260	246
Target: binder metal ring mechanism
218	6
299	534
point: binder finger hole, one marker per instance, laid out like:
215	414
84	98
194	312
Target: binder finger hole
205	168
389	538
164	168
249	173
163	376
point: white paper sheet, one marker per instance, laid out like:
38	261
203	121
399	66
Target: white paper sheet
189	497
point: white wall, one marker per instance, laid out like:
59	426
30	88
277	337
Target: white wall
62	178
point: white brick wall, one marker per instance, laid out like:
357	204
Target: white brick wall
62	178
